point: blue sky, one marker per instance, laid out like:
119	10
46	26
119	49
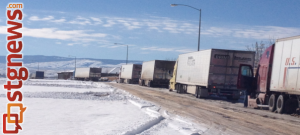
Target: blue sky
152	29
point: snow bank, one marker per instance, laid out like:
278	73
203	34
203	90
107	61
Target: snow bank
156	118
76	107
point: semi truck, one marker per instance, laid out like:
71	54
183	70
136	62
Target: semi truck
37	75
211	72
276	84
156	73
86	74
130	74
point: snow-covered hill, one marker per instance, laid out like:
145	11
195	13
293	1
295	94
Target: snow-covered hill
54	64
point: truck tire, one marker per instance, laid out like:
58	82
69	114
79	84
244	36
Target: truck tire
128	81
185	89
280	104
182	88
177	88
143	82
150	84
272	103
197	91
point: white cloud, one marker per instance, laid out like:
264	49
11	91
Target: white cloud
81	21
167	49
96	20
59	21
48	18
255	32
113	46
163	24
35	18
54	33
109	23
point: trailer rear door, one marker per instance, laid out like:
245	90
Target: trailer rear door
224	67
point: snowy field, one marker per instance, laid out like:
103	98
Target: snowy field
74	108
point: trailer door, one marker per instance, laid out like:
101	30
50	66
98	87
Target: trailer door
245	77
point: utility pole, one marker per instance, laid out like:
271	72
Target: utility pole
173	5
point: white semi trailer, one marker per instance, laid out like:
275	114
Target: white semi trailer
86	74
130	73
211	72
156	73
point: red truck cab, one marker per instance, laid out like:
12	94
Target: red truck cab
257	86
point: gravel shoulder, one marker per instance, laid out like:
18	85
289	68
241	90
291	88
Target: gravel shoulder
218	115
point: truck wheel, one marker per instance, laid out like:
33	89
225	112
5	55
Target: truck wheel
177	88
197	91
150	84
128	81
272	103
141	82
280	104
185	89
181	89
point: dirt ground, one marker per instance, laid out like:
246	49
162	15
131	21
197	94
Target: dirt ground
220	116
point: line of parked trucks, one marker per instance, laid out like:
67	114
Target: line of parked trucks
276	84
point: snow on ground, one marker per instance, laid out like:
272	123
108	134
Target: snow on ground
76	107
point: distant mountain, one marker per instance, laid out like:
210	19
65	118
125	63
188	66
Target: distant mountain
52	65
41	58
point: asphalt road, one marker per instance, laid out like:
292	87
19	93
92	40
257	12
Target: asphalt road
219	115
